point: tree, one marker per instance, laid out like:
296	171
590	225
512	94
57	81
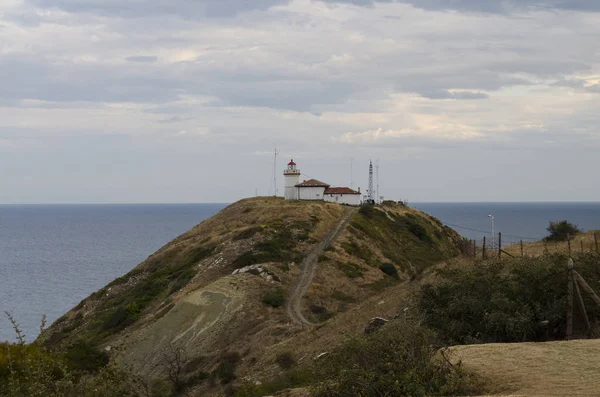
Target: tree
561	231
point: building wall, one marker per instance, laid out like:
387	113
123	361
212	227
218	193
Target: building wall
349	199
310	193
291	192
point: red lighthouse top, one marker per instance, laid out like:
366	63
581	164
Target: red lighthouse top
292	162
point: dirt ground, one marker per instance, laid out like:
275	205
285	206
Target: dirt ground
569	368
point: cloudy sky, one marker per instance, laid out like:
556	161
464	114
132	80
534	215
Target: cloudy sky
129	101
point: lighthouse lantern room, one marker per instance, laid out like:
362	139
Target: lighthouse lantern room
292	178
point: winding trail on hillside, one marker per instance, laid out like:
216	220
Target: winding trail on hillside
309	268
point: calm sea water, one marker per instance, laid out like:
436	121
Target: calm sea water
51	257
516	221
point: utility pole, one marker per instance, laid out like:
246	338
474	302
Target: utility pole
493	233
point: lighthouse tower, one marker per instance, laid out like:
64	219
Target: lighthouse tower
292	178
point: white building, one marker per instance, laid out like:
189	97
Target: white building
292	178
342	195
313	189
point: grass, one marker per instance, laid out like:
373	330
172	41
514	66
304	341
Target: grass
164	276
398	360
340	296
407	239
536	369
539	248
280	246
351	270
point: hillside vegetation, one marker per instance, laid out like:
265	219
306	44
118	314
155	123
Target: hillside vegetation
206	314
211	300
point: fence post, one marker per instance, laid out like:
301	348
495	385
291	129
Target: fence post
499	246
522	248
570	299
483	255
596	241
582	308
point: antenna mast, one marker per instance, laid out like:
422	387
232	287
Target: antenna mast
351	172
370	196
377	195
275	171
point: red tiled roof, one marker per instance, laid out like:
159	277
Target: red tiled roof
312	183
340	190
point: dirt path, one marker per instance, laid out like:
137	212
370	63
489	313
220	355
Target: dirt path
309	267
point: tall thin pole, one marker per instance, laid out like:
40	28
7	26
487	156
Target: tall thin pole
275	172
377	196
570	299
351	172
371	195
493	233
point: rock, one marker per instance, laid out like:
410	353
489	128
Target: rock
374	324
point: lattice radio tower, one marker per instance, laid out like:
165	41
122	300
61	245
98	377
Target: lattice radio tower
371	196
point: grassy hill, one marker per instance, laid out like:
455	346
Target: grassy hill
212	299
208	314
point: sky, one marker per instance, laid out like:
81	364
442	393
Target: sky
130	101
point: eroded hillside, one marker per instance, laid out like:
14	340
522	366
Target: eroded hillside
215	295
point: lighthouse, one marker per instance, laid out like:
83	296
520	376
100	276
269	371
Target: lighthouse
292	177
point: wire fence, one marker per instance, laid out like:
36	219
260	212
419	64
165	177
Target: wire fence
500	246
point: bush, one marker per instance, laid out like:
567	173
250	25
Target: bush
82	356
274	297
399	360
285	360
351	270
506	301
562	231
226	369
390	270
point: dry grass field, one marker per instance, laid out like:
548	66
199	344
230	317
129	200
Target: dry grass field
568	368
584	241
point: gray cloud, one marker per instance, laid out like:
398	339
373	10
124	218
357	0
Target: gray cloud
486	6
182	8
445	94
142	58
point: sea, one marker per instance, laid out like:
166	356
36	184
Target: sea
53	256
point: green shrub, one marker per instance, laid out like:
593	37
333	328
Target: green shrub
351	270
399	360
281	247
320	312
274	297
506	301
226	368
285	360
247	233
561	231
390	270
82	356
